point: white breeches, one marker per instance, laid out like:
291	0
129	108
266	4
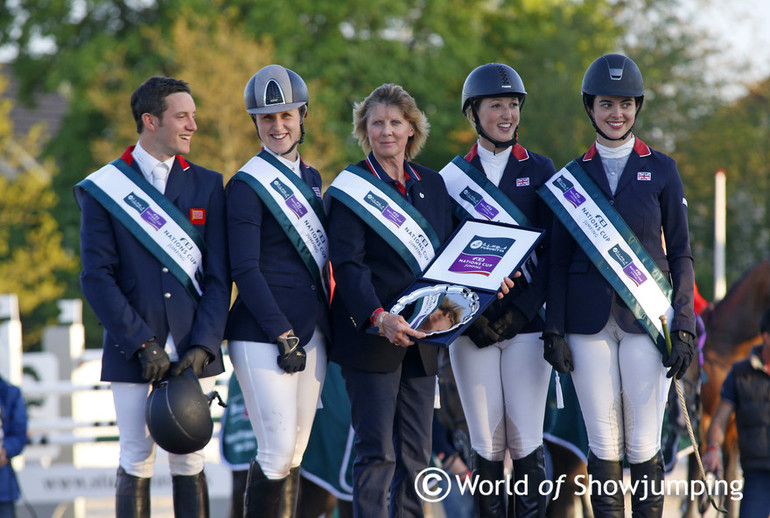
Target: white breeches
137	448
281	406
622	388
503	390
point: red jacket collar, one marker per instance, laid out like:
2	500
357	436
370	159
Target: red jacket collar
640	147
129	158
519	152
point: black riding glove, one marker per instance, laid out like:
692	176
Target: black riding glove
196	357
556	351
682	351
155	362
510	323
291	357
481	333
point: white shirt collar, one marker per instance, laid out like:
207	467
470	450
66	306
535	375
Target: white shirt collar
494	163
616	152
147	162
294	166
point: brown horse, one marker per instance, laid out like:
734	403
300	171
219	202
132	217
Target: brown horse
731	331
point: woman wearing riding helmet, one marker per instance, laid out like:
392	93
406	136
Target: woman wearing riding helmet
619	369
278	323
498	364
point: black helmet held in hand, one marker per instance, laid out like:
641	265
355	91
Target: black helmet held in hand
178	415
492	80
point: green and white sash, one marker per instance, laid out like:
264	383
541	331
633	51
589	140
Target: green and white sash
474	196
152	219
611	245
389	214
294	206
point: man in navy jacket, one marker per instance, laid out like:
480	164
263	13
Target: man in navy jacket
153	311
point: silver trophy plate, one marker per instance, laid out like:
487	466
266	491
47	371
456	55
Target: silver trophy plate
437	309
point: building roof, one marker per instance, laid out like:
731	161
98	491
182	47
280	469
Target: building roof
47	108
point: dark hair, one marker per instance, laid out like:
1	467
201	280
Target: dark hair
151	95
764	322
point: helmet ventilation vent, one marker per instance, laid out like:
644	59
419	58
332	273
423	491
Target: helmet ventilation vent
505	81
273	93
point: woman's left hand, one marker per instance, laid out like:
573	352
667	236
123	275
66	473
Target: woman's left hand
396	329
507	285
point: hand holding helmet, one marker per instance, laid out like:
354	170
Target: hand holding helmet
196	357
155	361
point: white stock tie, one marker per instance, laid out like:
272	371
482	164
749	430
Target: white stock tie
159	174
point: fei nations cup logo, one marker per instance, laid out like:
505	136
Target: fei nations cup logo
482	255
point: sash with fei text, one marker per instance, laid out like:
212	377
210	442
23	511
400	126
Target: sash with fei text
389	214
152	219
294	206
612	247
474	196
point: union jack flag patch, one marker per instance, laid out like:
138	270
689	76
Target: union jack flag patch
198	216
522	182
317	191
644	176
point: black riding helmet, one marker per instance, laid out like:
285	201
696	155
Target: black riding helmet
276	89
178	415
492	80
615	75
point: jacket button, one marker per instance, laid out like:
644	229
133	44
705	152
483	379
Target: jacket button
167	295
612	202
312	287
164	270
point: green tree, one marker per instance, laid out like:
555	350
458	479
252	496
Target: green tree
735	139
32	259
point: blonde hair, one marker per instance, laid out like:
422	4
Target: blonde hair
455	309
392	95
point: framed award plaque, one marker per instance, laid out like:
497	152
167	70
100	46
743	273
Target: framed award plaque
464	277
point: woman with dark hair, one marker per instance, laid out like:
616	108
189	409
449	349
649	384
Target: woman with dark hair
620	259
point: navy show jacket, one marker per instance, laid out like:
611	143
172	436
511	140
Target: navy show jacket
369	274
135	296
650	198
